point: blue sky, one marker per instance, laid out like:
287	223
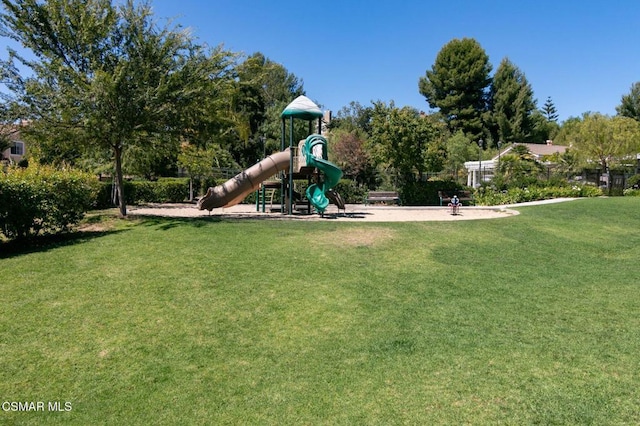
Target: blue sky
584	55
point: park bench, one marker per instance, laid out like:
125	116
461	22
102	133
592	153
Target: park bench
463	196
382	197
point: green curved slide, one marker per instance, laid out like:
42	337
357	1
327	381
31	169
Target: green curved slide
315	152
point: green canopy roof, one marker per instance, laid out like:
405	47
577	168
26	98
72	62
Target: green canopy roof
302	107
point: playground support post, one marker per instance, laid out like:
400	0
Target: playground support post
282	186
291	153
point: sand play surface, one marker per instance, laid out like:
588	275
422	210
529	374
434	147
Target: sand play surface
353	212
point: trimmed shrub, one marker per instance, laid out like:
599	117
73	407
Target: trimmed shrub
201	185
420	193
350	191
139	192
172	190
164	190
43	200
103	199
590	191
486	196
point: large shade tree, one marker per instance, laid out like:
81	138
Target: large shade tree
457	85
354	117
349	152
263	89
601	139
406	141
350	130
109	78
459	149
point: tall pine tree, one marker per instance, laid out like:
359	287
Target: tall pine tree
512	103
457	85
630	103
549	110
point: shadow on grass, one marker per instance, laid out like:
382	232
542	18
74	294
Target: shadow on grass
165	223
44	243
169	222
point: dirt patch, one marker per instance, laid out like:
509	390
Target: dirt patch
95	227
356	237
99	223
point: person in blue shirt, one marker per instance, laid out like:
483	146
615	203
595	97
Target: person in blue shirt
454	205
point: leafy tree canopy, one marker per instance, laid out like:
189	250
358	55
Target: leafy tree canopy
518	168
630	103
602	139
409	142
460	149
109	79
353	117
263	89
349	152
457	85
543	129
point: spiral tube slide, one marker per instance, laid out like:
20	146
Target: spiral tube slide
238	187
315	152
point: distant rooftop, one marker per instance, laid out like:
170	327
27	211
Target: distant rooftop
538	149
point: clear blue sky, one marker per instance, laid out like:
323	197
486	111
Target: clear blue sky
583	54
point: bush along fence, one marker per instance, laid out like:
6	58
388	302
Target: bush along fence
486	196
43	200
164	190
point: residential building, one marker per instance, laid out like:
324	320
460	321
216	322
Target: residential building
18	148
482	171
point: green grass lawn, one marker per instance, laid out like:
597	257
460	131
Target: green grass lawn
532	319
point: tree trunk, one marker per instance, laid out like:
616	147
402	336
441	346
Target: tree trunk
117	151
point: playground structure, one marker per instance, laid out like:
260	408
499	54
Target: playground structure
284	167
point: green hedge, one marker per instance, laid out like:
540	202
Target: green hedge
201	185
38	200
350	191
164	190
172	190
423	193
486	196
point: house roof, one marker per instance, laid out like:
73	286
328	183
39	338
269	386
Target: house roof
538	149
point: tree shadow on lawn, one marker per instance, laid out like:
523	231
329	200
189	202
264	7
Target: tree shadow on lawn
164	223
42	243
168	222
